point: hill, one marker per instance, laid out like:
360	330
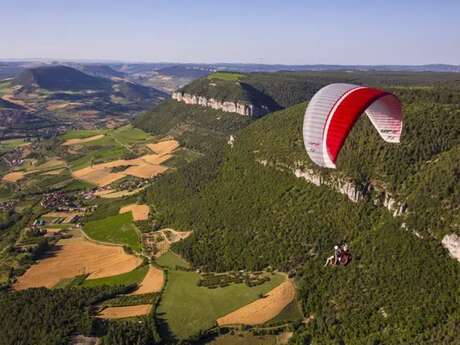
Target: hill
249	211
134	91
68	97
195	127
101	70
277	90
229	87
57	77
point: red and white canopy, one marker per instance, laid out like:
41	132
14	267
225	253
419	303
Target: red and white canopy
333	111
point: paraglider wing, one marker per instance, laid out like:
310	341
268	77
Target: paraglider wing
333	111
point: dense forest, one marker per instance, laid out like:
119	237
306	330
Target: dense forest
43	316
251	215
284	89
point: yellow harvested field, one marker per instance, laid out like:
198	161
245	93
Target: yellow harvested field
140	212
153	282
83	140
143	167
58	106
103	179
119	194
145	171
125	312
146	166
14	176
156	159
100	177
164	147
76	256
263	309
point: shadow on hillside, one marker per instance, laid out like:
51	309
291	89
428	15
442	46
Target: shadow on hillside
50	253
167	337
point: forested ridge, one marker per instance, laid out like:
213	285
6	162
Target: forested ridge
284	89
399	288
195	127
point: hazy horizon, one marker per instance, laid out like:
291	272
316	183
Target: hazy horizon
263	32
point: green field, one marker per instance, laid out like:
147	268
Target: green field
99	155
225	76
117	229
128	135
4	87
135	276
171	260
81	134
8	145
116	144
183	295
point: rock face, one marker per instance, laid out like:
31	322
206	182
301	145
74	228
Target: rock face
379	196
230	107
452	244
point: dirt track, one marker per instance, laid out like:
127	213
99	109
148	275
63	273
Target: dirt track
263	309
161	240
77	256
145	171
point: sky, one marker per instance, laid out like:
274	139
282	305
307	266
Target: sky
251	31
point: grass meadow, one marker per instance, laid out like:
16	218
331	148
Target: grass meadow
118	229
135	276
182	295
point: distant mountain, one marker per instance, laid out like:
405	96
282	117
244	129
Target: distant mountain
186	71
246	68
196	70
100	70
57	77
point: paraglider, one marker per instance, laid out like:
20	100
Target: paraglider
342	256
333	111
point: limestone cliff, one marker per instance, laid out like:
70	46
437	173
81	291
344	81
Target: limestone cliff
244	109
378	195
452	244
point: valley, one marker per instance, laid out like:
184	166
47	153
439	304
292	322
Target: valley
188	223
49	100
